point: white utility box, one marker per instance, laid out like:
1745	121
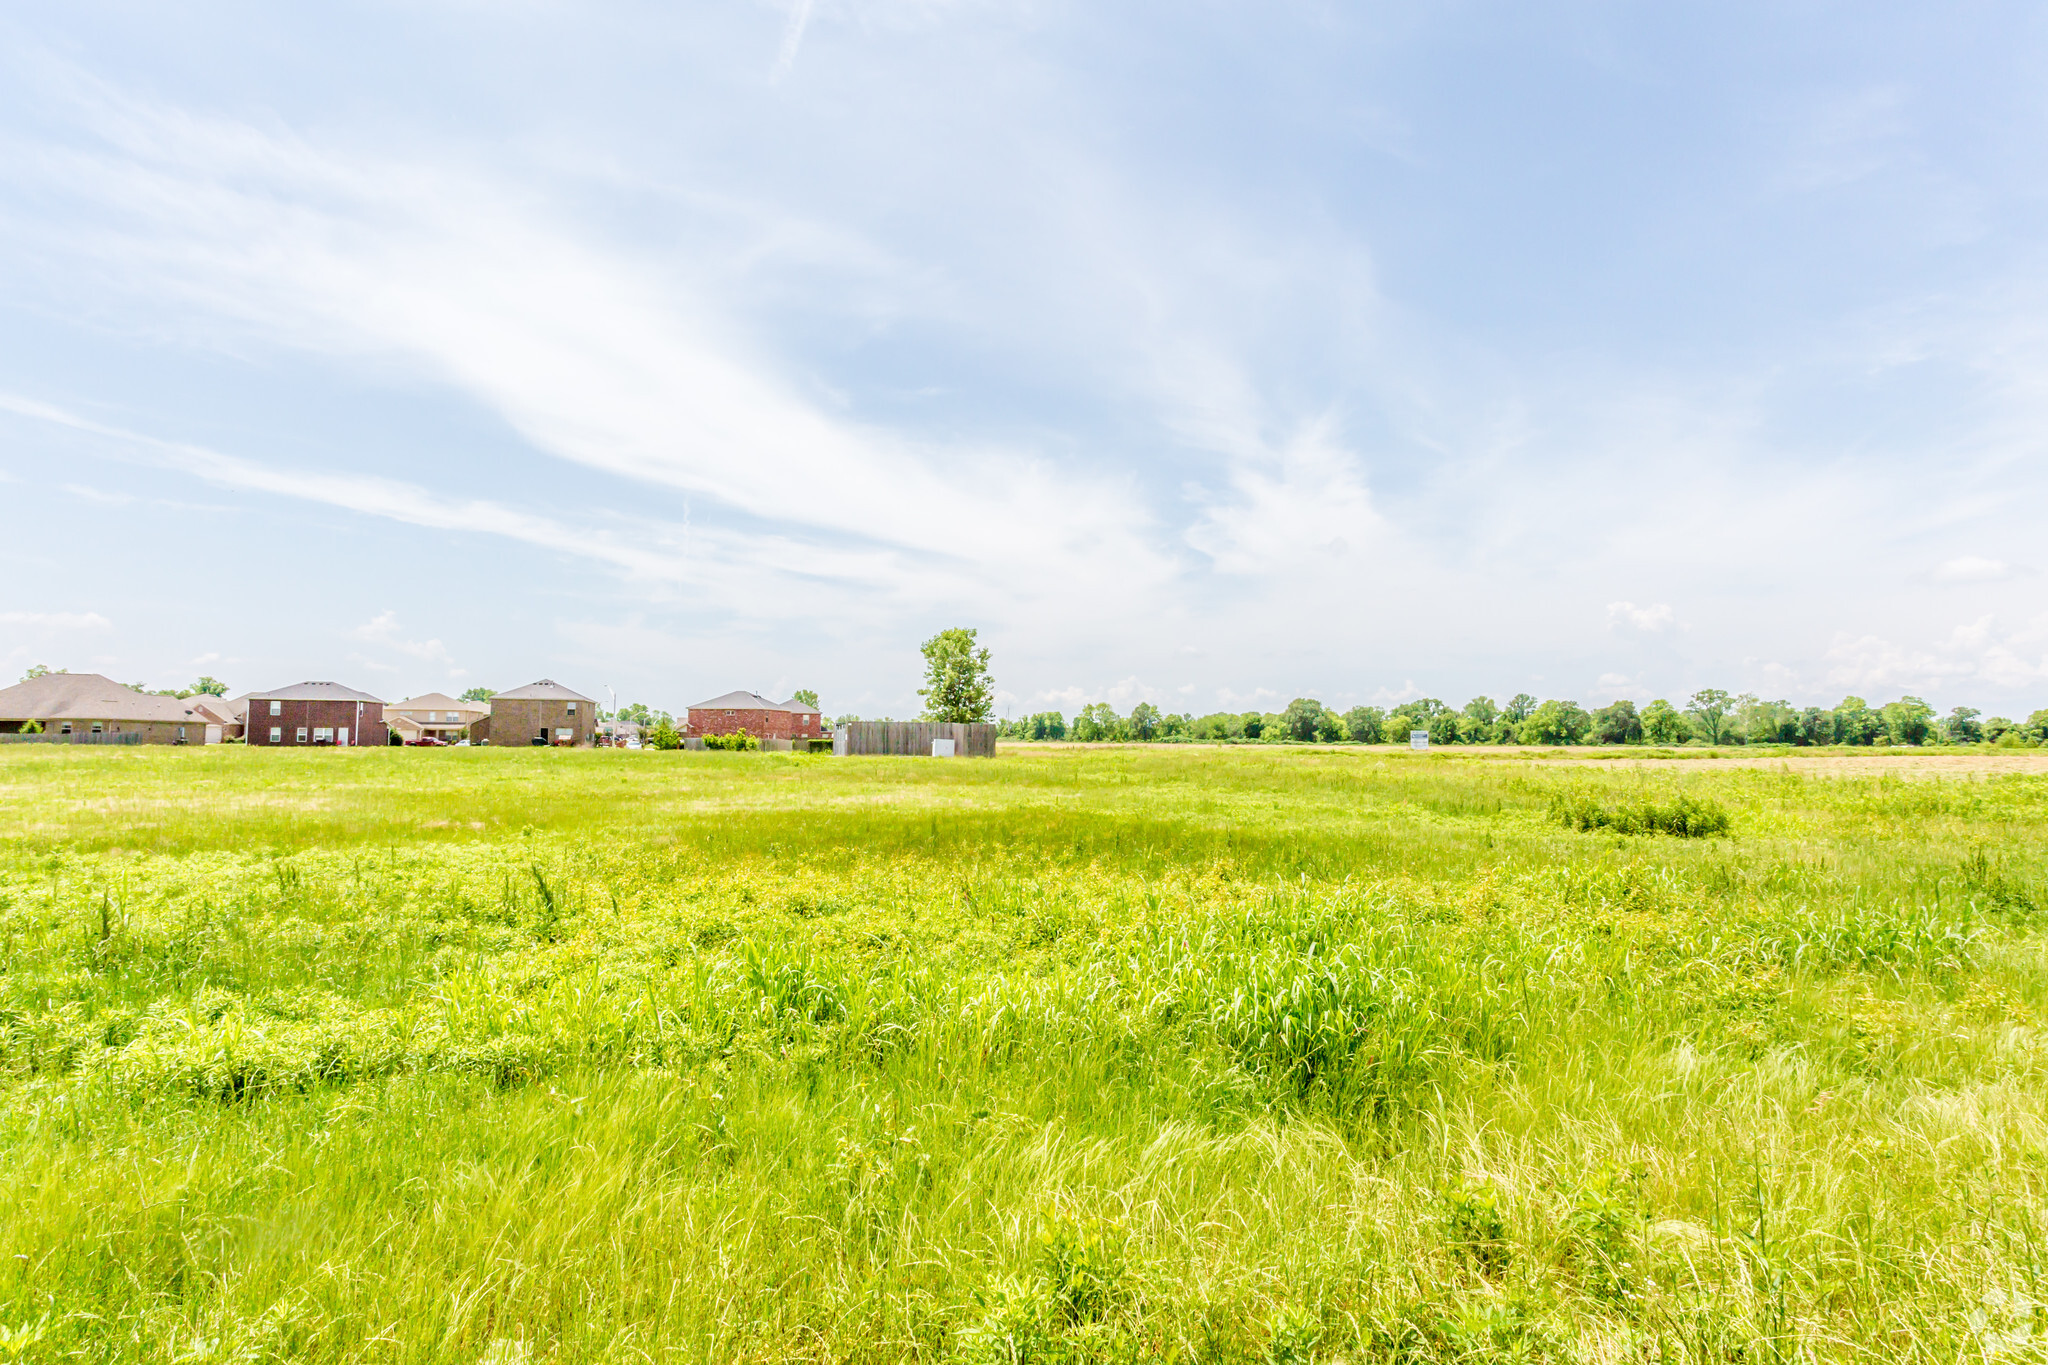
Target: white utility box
942	748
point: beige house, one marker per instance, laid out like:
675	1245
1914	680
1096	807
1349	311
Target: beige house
433	715
85	708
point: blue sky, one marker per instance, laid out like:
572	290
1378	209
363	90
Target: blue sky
1203	354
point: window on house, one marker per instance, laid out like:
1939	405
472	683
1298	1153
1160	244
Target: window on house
565	735
572	708
323	734
277	708
67	728
98	727
302	734
276	735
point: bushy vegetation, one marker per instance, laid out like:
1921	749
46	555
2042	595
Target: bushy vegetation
1073	1055
1711	717
1683	815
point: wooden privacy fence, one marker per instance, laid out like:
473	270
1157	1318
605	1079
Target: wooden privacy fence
976	740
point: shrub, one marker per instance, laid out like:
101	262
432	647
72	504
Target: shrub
1686	817
738	740
664	736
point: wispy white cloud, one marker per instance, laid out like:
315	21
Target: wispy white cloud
1977	650
595	356
1655	617
792	37
1973	569
56	620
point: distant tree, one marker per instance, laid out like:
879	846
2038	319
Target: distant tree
1098	722
36	671
1366	724
208	686
1709	709
1816	726
957	685
848	719
477	694
1856	722
1997	728
2037	726
1519	707
1617	724
1176	725
1663	724
1048	725
1251	725
1908	720
805	696
664	735
1300	717
639	713
1443	727
1961	727
1144	722
1482	710
1556	722
1765	722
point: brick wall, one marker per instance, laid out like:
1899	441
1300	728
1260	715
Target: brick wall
517	721
760	724
365	722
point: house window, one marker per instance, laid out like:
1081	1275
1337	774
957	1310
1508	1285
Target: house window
564	736
98	727
276	735
323	734
67	728
572	708
302	734
277	708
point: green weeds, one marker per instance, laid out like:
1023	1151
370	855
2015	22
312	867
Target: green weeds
1070	1056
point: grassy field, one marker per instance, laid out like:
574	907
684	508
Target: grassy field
1073	1055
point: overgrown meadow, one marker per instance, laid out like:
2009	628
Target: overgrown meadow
1072	1055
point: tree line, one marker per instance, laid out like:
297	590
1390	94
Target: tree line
1712	717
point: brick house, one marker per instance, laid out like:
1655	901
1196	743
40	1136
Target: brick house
313	715
434	715
87	708
754	713
542	712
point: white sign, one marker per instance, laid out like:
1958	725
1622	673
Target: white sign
942	748
1418	739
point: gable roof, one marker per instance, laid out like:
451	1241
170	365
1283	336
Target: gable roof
547	689
87	696
749	701
313	691
215	707
438	701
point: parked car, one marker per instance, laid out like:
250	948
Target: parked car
426	742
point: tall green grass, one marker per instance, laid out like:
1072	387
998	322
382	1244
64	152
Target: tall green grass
1067	1056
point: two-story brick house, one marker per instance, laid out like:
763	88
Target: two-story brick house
315	715
758	716
539	713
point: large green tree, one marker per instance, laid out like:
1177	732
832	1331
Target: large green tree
957	684
1301	716
209	686
1709	710
1618	724
1144	722
477	694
